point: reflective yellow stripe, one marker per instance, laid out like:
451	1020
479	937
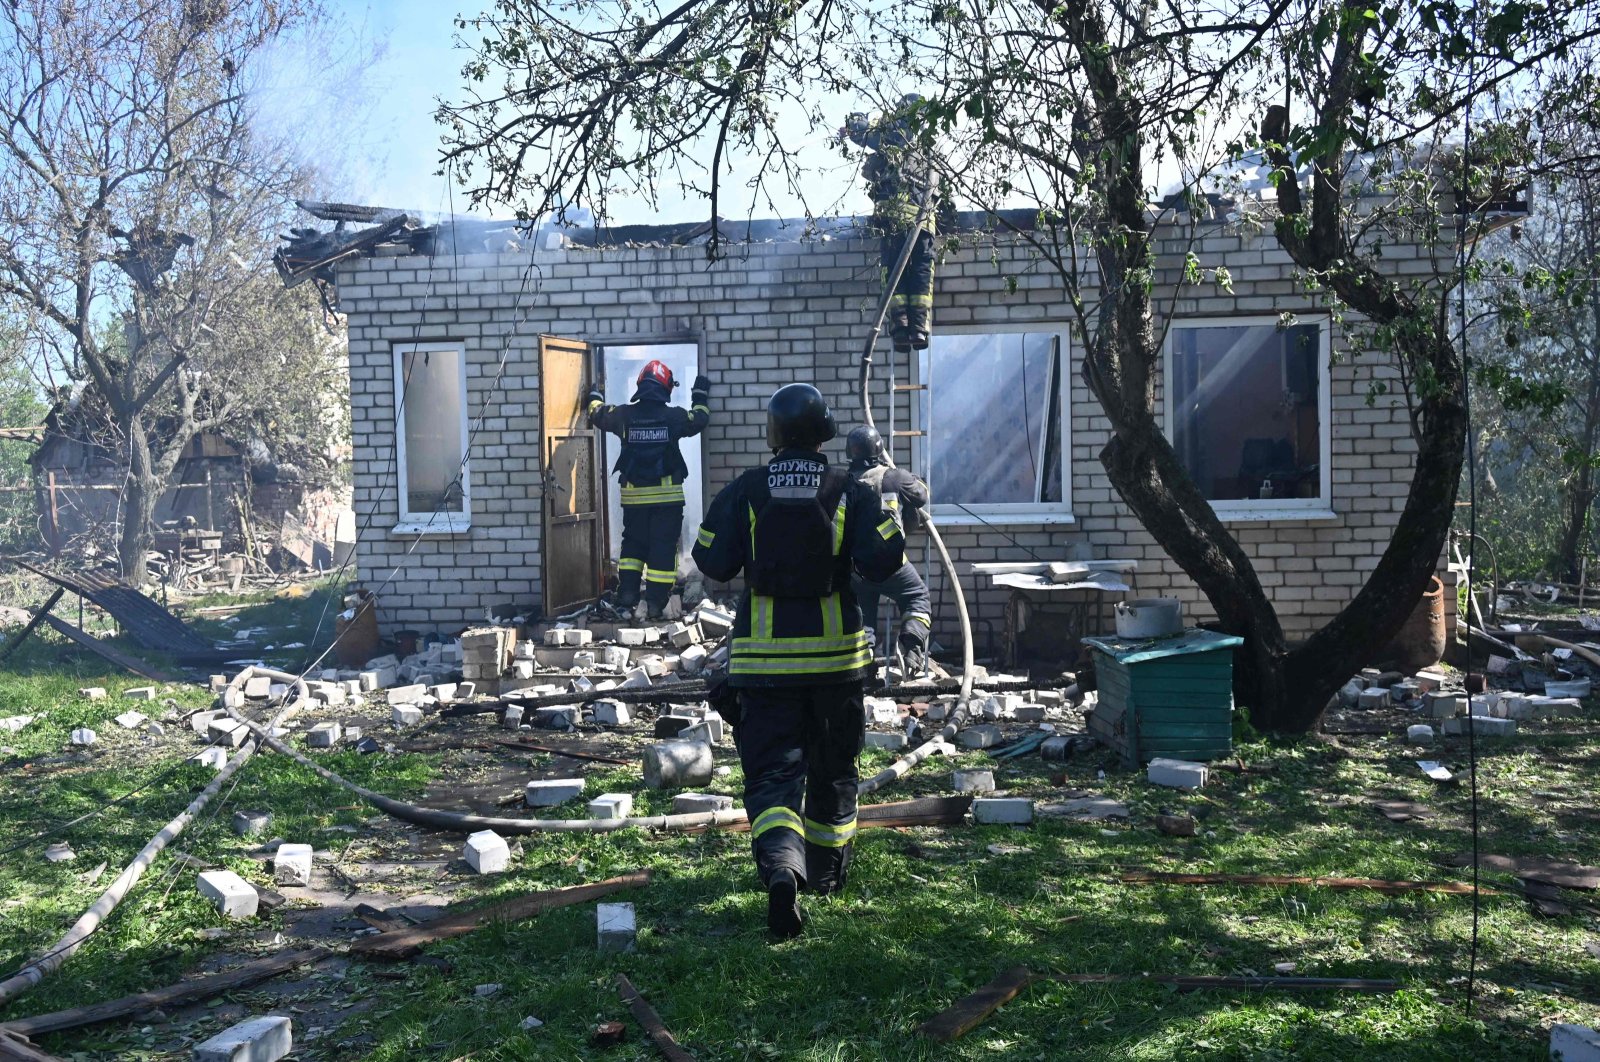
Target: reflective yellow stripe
661	495
751	509
779	818
596	404
698	408
926	620
760	617
838	528
897	300
630	564
706	537
832	618
920	300
659	575
888	529
830	836
799	665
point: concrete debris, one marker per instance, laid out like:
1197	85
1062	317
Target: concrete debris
200	722
1574	1043
1088	808
1002	811
1177	825
615	927
487	852
1435	770
93	693
700	803
324	735
405	715
973	781
1419	734
83	736
60	852
213	757
14	723
1178	774
224	731
677	764
530	1022
893	741
137	693
611	713
979	737
291	864
258	688
611	806
1481	725
234	897
548	792
249	823
264	1039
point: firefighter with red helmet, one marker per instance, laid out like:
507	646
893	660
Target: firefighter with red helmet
798	529
651	470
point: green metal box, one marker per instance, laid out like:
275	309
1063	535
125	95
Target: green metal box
1165	696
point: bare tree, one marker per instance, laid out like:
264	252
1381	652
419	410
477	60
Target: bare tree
134	188
1065	106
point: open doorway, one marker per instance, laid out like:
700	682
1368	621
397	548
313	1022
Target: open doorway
622	365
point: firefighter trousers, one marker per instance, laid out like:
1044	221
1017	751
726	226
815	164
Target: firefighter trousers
905	588
798	746
649	553
914	294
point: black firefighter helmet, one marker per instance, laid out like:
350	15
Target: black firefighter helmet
798	417
864	444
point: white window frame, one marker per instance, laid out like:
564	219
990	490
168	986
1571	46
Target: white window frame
1259	509
1031	513
414	523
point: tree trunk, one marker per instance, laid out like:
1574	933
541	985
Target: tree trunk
1579	498
139	497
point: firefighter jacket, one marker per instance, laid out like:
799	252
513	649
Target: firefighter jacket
903	492
898	176
797	529
649	464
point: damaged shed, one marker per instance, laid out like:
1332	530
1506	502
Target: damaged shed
1308	456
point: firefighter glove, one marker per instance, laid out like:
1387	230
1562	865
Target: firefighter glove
914	649
702	387
593	397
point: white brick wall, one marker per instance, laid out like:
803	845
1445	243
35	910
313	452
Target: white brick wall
775	313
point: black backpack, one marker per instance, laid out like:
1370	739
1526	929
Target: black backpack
795	505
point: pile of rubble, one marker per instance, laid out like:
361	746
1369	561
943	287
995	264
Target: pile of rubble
1502	698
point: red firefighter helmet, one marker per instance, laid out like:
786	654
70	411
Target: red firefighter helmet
657	371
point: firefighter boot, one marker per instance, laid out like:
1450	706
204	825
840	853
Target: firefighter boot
917	327
900	329
826	868
784	919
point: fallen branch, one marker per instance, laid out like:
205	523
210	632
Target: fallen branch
183	992
404	943
646	1016
1150	877
18	1049
1577	650
971	1011
523	746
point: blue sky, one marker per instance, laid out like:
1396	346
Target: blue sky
390	157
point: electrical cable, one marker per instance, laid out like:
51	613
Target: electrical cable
1462	216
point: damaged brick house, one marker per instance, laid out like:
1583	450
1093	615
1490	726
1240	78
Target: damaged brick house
491	351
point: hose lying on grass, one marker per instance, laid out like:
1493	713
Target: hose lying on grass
91	920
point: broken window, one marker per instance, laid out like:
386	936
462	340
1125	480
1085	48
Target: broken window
1247	410
622	365
992	418
431	425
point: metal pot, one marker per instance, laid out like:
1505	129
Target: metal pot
1149	617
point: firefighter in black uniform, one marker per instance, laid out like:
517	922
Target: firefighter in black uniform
797	529
906	496
899	179
652	472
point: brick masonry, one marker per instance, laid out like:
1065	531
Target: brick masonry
774	313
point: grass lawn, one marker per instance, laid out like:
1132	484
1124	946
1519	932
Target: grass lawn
931	913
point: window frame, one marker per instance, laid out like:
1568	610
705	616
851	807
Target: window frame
443	523
1029	513
1243	509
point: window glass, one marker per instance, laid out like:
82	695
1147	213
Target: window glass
992	411
433	413
1245	402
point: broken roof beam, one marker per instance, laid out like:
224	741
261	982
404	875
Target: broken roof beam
348	211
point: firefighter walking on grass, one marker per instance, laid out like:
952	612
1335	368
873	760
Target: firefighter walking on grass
652	471
907	497
798	529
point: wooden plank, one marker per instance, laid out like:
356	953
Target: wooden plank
38	617
116	656
1150	877
404	943
971	1011
200	988
523	746
17	1049
923	811
651	1022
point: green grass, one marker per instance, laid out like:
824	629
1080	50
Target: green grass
931	914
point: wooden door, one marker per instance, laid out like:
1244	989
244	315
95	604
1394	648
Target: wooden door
574	481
